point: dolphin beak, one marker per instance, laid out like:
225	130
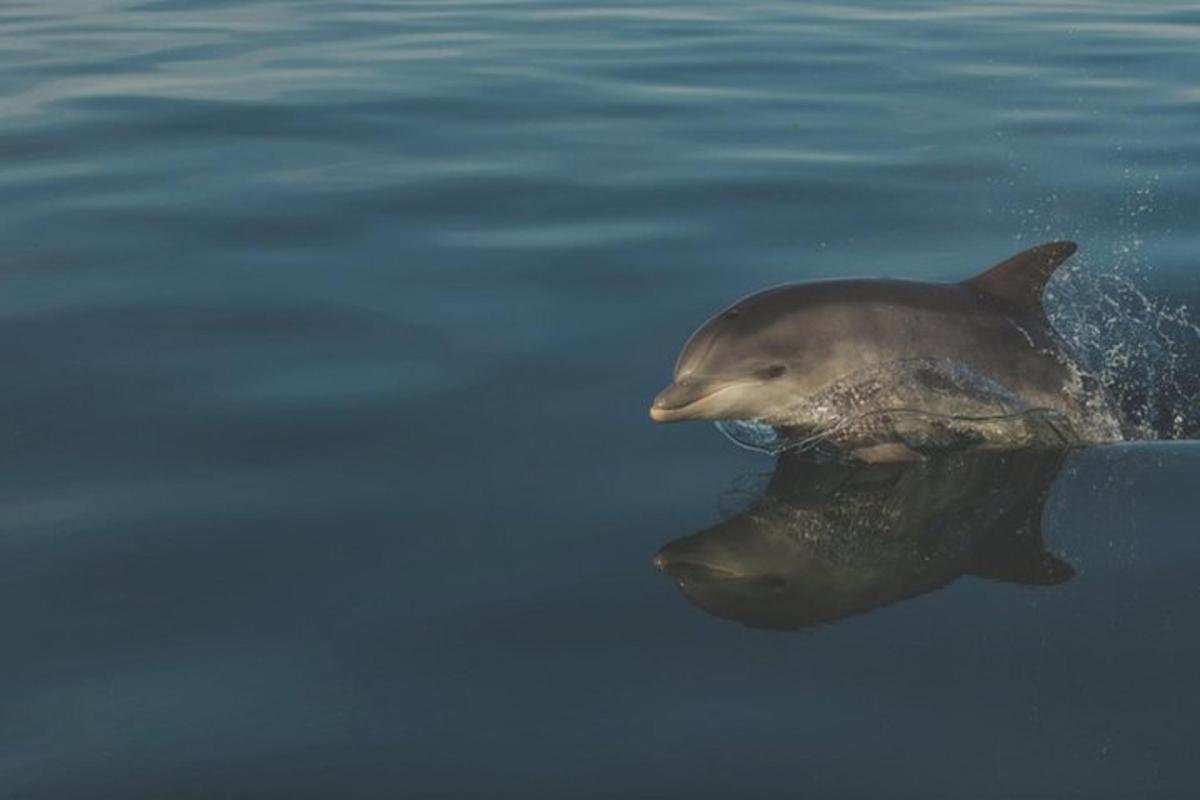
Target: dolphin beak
664	409
674	402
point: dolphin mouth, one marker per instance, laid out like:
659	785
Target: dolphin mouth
679	400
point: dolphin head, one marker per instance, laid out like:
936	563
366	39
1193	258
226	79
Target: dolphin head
742	364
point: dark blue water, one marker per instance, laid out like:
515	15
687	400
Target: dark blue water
329	332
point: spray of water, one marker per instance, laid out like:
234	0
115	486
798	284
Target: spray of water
1141	350
928	404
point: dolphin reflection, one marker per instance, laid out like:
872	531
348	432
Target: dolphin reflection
830	540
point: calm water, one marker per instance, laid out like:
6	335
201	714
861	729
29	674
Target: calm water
330	330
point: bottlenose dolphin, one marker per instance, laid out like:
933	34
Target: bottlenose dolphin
830	540
886	368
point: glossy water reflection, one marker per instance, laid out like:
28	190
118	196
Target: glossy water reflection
830	540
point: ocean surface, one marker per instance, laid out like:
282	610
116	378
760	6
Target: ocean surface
329	331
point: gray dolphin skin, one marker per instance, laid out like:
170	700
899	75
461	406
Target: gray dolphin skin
886	369
831	540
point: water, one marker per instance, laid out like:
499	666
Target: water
330	330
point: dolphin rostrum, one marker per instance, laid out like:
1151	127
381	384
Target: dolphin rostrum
886	369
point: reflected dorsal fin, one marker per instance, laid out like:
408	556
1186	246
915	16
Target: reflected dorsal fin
1016	552
1013	549
1025	562
1019	280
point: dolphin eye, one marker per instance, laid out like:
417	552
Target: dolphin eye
773	371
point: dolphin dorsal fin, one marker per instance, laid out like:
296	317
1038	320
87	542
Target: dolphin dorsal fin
1019	280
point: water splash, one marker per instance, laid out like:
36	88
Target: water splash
1141	350
753	435
926	404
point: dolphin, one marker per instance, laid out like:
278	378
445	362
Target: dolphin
830	540
889	369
